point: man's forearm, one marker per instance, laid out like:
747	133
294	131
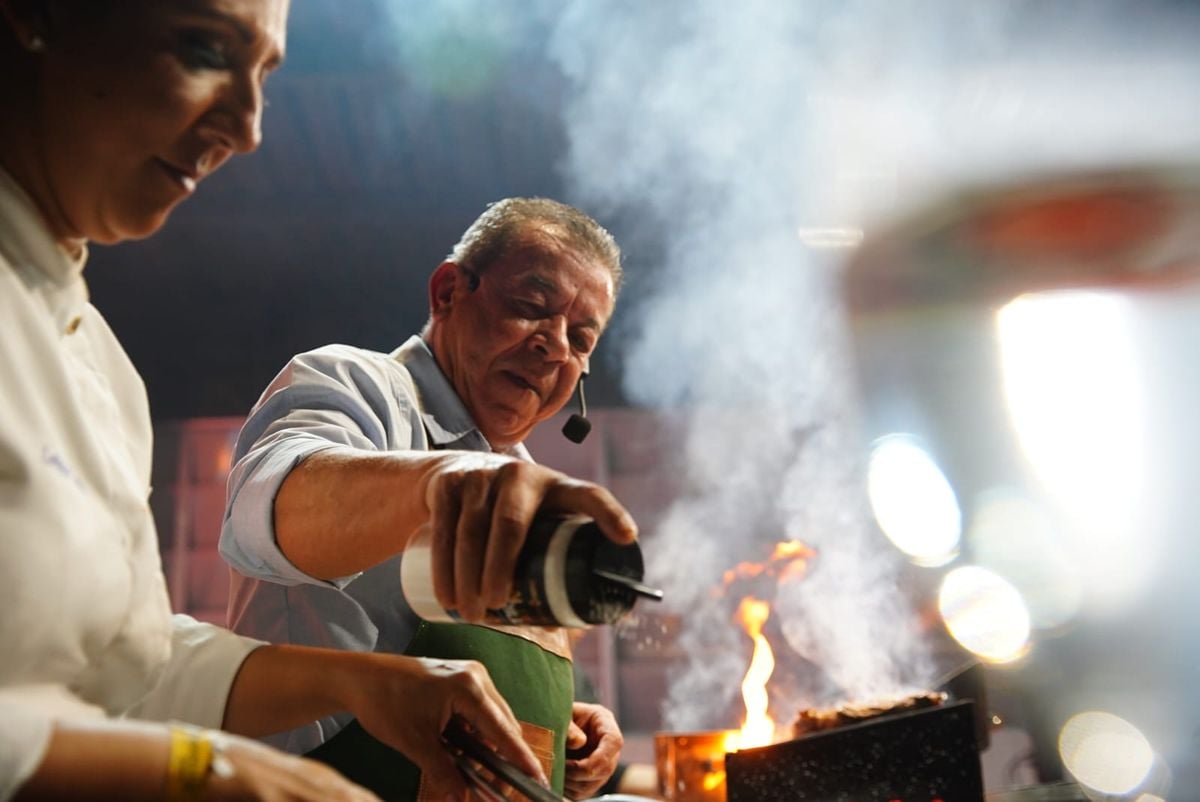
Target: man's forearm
340	512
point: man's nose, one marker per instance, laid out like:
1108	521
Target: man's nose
551	339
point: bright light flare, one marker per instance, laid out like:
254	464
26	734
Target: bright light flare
1105	752
913	502
1073	389
985	614
827	238
758	729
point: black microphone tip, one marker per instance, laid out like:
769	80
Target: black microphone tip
577	428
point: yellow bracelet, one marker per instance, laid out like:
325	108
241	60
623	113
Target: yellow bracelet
195	754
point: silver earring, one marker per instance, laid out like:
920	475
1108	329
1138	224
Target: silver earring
36	44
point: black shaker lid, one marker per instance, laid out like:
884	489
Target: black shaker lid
595	598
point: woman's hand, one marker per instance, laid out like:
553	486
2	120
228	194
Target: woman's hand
407	702
263	774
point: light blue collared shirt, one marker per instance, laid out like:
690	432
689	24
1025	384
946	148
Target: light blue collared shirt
333	397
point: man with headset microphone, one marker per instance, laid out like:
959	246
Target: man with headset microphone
348	452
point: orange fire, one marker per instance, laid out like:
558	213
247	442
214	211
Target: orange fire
758	729
788	561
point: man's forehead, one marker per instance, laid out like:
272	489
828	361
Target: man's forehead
554	272
540	279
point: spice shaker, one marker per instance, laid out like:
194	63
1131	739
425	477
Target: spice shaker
568	574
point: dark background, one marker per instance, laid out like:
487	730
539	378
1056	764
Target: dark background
369	171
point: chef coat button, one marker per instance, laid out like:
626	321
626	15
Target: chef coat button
74	324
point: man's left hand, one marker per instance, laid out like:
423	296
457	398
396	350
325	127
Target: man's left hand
594	744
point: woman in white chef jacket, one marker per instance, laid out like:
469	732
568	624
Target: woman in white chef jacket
111	113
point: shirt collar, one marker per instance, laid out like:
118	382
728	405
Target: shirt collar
446	419
43	263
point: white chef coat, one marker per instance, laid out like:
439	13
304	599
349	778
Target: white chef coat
85	624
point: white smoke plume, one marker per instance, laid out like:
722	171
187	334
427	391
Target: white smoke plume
726	129
730	127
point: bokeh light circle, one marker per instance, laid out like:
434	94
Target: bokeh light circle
985	613
913	501
1105	752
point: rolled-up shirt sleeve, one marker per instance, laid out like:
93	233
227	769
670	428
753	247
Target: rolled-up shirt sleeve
333	397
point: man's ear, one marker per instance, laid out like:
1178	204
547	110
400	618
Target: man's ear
444	286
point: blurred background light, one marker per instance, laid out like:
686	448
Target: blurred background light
1105	752
1072	386
1018	538
912	501
985	614
456	49
822	238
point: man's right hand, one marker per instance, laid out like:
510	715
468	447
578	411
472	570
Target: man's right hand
481	507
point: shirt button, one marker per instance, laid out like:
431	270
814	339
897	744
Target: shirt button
74	324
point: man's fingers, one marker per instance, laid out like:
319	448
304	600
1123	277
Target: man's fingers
480	518
578	790
516	501
597	503
600	762
576	737
604	742
471	543
444	523
582	787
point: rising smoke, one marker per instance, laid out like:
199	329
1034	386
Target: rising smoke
732	126
728	128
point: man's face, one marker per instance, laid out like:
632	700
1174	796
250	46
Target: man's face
515	346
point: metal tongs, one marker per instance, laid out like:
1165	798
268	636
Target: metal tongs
468	751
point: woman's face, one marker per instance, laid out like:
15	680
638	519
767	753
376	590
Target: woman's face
139	103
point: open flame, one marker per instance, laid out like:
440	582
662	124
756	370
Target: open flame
758	728
788	561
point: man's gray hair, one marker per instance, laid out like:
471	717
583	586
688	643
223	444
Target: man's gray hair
524	221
